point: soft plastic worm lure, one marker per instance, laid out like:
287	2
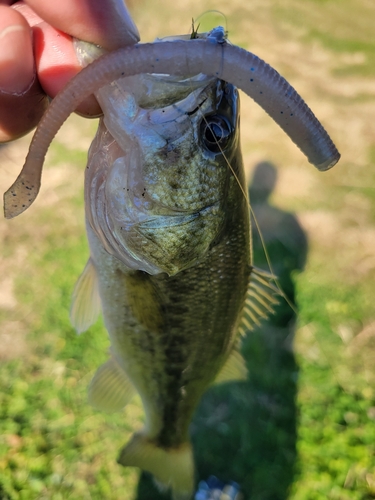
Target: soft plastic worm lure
189	57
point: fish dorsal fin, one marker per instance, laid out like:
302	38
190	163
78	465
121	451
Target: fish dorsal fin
85	306
233	370
110	389
260	299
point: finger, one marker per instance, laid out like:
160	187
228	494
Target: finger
16	55
104	22
22	101
57	63
55	58
19	115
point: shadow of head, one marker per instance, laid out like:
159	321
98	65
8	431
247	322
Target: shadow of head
263	182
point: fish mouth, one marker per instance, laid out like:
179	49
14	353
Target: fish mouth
169	89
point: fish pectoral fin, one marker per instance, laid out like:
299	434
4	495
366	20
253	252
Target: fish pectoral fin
260	299
110	389
85	306
171	467
233	370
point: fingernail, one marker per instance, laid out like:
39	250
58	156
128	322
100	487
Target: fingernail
16	59
128	31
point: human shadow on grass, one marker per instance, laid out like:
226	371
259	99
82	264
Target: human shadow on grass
246	431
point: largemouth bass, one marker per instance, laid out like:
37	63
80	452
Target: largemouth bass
169	234
168	227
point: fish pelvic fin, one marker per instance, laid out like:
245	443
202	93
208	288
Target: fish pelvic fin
172	468
260	299
110	389
85	306
233	370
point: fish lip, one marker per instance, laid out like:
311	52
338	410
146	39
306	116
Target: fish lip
148	93
179	111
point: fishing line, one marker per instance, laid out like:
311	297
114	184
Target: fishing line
244	193
274	277
211	11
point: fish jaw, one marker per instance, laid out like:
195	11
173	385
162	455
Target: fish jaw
156	185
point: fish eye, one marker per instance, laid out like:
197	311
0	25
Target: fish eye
216	132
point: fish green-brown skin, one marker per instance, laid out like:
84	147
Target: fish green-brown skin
172	331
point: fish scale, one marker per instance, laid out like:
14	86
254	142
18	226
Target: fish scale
198	335
169	233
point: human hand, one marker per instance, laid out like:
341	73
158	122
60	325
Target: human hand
37	56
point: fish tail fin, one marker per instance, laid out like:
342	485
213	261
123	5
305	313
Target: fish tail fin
172	468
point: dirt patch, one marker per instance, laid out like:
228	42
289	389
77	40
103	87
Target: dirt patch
13	342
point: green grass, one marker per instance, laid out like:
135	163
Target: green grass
302	427
343	27
53	445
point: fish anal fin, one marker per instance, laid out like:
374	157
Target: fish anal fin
233	370
171	467
110	389
85	306
260	300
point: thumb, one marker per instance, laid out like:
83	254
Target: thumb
104	22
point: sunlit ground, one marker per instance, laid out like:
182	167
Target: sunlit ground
303	426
